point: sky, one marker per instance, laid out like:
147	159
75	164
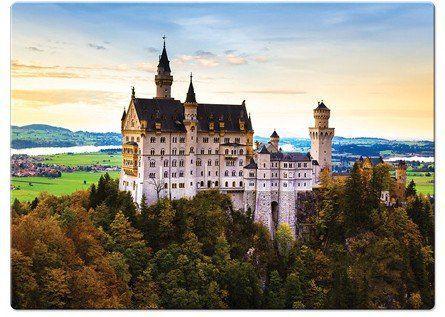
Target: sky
73	65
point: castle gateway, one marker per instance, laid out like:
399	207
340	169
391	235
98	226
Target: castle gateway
175	149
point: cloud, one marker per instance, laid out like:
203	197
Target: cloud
54	97
146	67
266	91
152	50
203	58
96	46
260	59
235	59
34	49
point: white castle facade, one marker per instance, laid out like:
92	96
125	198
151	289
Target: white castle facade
175	149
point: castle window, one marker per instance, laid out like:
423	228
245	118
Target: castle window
205	140
165	185
132	138
152	152
216	163
152	163
174	163
241	163
174	152
299	164
181	163
209	184
198	163
152	139
305	164
240	173
181	174
227	184
182	139
304	184
202	173
193	128
304	174
233	173
174	140
264	164
226	140
252	174
166	163
181	152
191	184
241	152
215	140
226	173
209	162
126	138
226	151
162	139
152	175
209	173
181	185
290	164
162	151
192	150
202	151
233	184
299	174
174	185
139	139
165	174
202	183
237	140
216	173
209	151
285	184
173	175
216	183
216	151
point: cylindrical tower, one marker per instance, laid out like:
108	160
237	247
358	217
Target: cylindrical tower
321	137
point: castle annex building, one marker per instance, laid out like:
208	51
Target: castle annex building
174	149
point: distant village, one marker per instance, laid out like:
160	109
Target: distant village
23	165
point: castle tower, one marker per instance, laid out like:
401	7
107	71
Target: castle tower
163	79
191	125
321	137
275	140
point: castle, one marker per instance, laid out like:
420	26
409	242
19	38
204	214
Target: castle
175	149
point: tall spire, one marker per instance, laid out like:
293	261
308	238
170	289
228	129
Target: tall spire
191	92
163	59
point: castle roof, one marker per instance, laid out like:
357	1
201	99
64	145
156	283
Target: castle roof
274	134
163	60
251	165
170	113
264	150
321	105
191	92
289	157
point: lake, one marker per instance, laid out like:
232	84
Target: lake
427	159
60	150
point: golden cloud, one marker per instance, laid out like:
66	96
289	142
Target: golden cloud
53	97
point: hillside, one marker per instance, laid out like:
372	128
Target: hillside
41	135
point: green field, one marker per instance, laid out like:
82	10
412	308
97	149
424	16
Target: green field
424	184
66	184
84	159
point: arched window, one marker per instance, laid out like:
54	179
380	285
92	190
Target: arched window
241	184
152	152
152	163
233	184
166	163
226	173
241	152
192	149
162	151
227	184
240	173
233	173
226	151
174	163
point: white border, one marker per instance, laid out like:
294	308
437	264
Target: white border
5	308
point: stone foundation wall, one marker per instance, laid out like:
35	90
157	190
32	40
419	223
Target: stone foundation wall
263	213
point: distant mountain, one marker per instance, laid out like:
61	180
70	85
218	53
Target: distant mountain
42	135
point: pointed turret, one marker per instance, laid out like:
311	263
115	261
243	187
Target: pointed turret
163	79
123	115
191	98
164	63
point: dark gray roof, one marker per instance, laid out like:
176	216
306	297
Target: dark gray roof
289	157
251	165
124	115
321	105
170	113
274	134
315	162
163	60
191	92
230	114
264	150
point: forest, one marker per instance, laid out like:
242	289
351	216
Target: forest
96	249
